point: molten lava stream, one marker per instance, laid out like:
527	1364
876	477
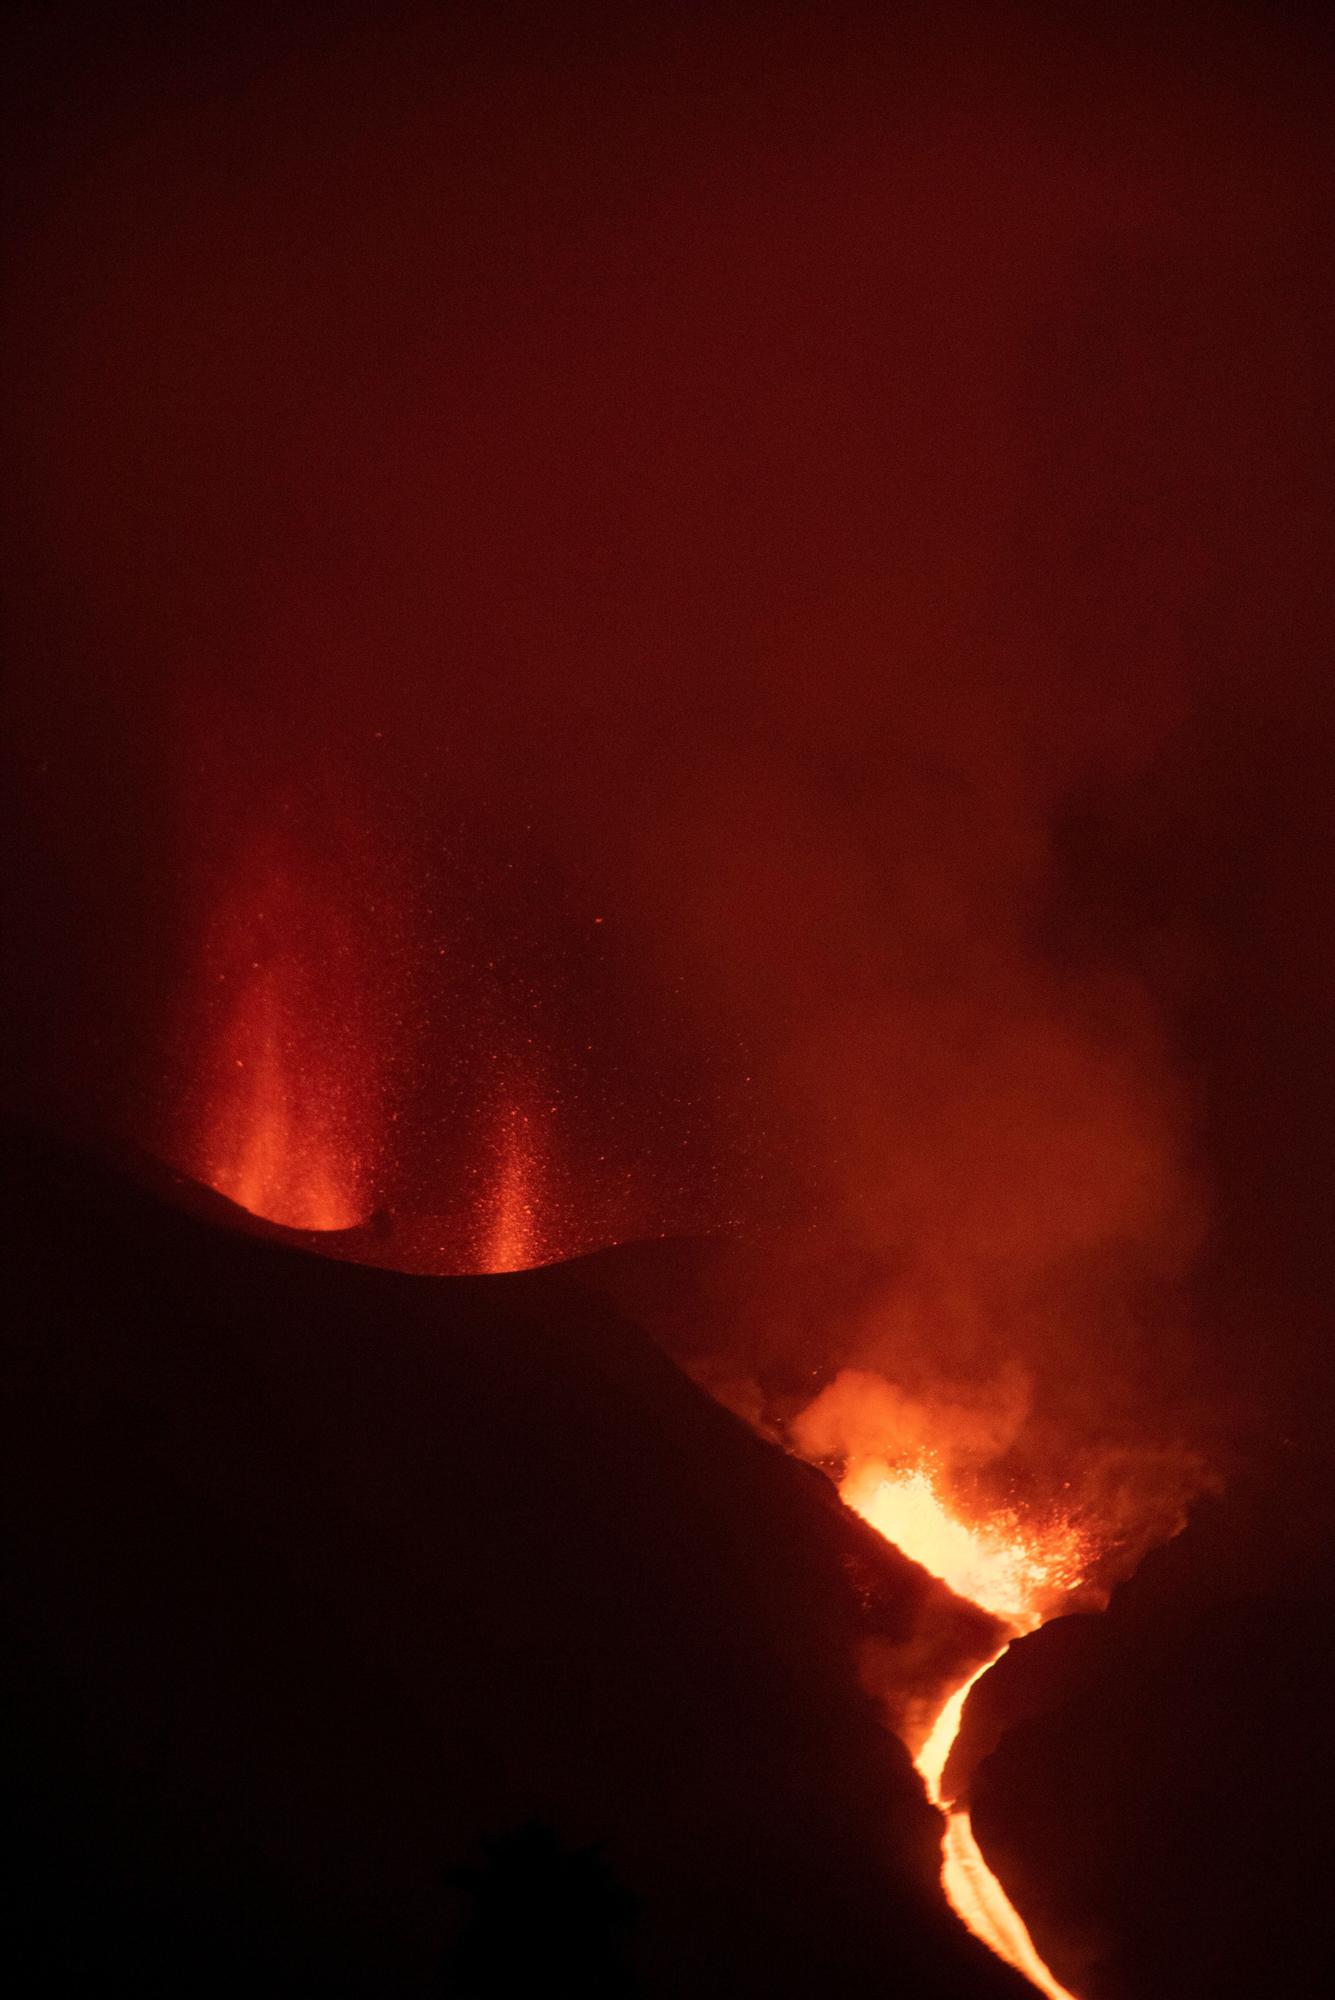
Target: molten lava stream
1010	1576
972	1890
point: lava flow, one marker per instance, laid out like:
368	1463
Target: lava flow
1016	1577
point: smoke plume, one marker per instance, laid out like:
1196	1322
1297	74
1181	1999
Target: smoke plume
704	554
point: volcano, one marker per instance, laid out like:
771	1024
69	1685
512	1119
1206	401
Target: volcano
324	1577
328	1583
669	755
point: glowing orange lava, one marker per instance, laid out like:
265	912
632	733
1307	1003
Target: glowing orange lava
1010	1572
1017	1576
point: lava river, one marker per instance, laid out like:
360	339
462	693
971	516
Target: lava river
1008	1573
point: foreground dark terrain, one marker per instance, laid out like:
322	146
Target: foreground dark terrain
371	1633
322	1578
1158	1801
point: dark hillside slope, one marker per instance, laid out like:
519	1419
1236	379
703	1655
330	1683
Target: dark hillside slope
1157	1792
318	1575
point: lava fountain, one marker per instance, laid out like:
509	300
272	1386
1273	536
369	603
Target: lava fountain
283	1113
1017	1575
512	1241
274	1146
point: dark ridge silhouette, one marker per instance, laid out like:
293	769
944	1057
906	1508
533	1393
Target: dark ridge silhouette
541	1916
1152	1785
318	1575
